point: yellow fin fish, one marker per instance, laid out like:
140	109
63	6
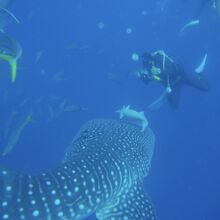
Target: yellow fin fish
10	51
13	65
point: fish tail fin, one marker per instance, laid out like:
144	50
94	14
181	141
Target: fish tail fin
29	118
5	152
13	65
10	14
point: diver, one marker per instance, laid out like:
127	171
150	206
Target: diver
159	67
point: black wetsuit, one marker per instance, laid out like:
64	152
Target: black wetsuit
170	74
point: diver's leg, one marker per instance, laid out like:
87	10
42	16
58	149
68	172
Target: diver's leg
173	97
198	81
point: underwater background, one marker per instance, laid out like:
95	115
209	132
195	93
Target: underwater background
76	65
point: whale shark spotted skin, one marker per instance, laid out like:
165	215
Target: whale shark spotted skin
102	173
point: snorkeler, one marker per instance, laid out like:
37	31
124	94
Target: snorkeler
158	66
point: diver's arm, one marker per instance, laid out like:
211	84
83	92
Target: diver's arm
144	78
168	88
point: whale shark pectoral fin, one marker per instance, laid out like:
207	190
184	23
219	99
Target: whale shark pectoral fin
135	204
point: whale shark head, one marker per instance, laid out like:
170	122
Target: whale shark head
121	139
102	172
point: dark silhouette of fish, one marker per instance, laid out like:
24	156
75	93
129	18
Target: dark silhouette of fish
102	172
6	16
16	134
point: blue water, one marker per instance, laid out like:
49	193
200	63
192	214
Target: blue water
184	179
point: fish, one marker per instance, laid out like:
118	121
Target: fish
59	77
189	24
135	116
16	134
77	47
39	55
161	5
74	108
8	124
43	72
61	107
10	51
6	16
102	173
51	111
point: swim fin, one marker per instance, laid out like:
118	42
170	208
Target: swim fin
198	81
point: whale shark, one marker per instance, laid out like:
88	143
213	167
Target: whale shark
102	173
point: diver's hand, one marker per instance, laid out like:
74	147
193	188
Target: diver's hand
168	89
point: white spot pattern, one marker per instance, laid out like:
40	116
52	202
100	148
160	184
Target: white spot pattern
102	164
